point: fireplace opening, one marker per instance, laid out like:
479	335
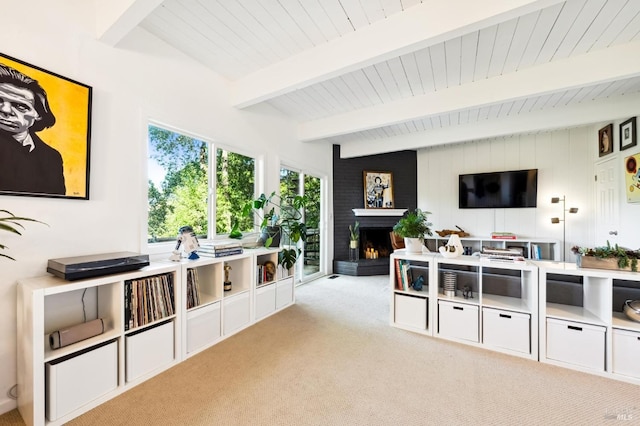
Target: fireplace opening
375	240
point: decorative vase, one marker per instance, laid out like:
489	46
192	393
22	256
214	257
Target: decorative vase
453	248
354	250
413	245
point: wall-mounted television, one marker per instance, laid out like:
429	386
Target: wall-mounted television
498	190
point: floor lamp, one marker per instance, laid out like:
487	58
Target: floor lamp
556	200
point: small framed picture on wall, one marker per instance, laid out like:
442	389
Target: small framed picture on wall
628	134
605	140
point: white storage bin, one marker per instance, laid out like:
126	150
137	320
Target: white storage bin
458	320
148	350
576	343
284	293
203	326
236	312
411	311
626	352
505	329
265	300
72	382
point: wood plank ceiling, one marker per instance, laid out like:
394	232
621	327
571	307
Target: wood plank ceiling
529	57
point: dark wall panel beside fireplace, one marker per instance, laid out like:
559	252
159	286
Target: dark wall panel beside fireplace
348	191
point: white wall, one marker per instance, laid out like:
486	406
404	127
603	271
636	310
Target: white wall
140	79
565	161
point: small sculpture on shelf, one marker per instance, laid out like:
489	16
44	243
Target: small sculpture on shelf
189	242
227	282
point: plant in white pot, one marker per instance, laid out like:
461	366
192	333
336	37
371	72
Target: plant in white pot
413	227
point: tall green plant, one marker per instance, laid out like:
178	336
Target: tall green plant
11	223
276	211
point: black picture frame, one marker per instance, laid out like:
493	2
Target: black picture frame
628	134
605	140
45	139
378	190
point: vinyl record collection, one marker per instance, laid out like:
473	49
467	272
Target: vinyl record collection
148	299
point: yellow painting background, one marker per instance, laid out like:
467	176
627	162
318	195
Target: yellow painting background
69	103
632	183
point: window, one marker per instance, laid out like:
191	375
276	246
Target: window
180	186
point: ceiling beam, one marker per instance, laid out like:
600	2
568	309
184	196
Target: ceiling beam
598	111
116	18
622	61
427	24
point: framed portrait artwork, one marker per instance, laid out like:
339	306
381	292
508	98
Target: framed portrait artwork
45	132
378	190
605	140
628	136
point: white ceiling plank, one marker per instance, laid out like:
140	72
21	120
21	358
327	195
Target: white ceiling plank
256	26
388	80
524	29
360	80
584	21
629	32
544	120
320	17
544	25
354	85
260	13
372	10
344	94
469	49
194	42
610	11
400	77
423	61
486	41
567	97
307	25
501	47
115	19
563	24
355	13
289	26
423	27
623	20
439	66
453	52
413	74
573	72
611	89
337	16
483	113
374	78
390	7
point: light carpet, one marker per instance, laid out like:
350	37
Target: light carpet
333	359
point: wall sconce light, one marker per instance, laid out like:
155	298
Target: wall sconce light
556	200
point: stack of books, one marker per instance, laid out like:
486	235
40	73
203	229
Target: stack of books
220	249
502	255
503	236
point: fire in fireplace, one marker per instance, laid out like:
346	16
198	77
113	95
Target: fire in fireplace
375	240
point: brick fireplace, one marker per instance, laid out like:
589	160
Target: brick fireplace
348	194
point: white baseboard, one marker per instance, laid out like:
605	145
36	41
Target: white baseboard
7	405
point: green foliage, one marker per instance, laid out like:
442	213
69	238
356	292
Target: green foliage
414	224
285	212
354	235
624	256
183	196
11	223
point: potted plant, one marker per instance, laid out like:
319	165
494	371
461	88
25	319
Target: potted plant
607	257
413	227
10	223
354	235
280	218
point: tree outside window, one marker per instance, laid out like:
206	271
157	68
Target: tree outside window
178	192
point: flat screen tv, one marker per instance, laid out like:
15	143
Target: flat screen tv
498	190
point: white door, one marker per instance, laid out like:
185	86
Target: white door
607	214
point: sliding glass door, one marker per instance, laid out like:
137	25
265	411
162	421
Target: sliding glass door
296	182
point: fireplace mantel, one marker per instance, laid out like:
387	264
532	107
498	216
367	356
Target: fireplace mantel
379	212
